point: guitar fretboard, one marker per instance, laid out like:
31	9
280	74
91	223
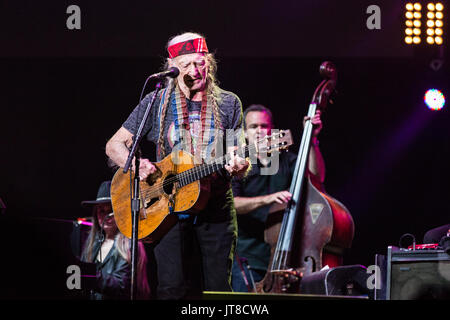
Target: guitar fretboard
198	172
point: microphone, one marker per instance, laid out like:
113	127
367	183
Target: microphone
171	73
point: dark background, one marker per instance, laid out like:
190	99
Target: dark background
65	92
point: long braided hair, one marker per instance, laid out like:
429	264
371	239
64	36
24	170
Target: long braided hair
212	91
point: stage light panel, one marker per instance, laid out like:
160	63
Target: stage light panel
432	20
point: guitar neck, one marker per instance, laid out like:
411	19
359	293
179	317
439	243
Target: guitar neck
275	142
206	169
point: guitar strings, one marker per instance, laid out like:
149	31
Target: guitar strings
195	171
198	169
190	173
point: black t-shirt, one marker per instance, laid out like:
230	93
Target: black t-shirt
230	108
251	226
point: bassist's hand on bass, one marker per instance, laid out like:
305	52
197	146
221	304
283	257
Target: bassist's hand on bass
279	197
316	121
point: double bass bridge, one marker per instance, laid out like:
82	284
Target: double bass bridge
288	277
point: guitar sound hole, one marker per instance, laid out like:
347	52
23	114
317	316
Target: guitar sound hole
168	184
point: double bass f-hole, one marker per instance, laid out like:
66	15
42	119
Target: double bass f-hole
310	263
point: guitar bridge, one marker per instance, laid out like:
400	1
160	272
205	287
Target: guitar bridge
142	211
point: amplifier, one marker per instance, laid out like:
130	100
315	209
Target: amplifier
417	274
340	281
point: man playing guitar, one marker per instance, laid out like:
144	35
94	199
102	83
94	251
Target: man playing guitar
191	113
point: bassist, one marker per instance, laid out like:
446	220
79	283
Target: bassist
257	193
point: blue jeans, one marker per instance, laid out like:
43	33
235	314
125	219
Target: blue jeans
238	282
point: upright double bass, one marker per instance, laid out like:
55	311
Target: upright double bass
315	228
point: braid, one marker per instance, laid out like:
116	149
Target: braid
216	113
162	150
214	93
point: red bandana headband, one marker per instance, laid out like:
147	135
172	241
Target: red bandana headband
186	47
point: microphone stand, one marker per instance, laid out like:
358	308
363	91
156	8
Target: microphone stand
135	192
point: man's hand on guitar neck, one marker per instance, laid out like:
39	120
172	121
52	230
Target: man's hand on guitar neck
237	166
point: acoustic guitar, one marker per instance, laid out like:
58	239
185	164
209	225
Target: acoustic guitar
177	186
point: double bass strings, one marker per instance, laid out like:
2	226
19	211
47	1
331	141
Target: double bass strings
284	240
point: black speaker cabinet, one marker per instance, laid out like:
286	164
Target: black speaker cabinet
338	281
417	274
